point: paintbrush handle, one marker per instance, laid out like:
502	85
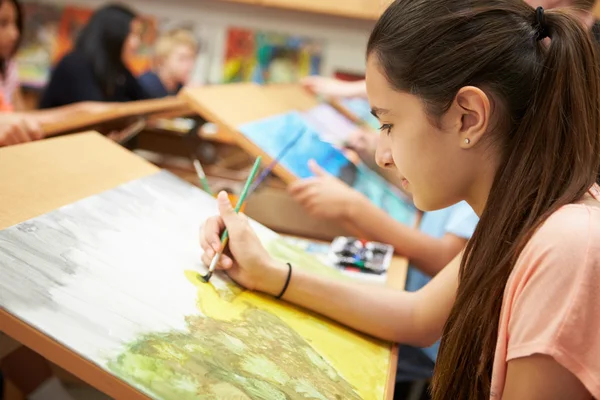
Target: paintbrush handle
202	176
238	206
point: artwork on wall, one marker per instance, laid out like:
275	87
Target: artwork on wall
269	57
273	134
114	277
72	21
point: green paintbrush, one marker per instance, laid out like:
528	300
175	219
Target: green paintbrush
225	235
201	175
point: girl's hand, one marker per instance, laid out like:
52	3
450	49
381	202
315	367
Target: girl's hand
246	261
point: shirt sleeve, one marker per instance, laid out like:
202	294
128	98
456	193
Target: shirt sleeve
462	221
556	305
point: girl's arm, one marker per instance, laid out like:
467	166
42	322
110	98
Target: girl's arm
416	318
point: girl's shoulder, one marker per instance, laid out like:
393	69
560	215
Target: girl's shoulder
570	236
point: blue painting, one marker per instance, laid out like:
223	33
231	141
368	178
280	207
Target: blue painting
276	133
292	138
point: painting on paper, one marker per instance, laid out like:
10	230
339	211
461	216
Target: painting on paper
34	59
269	57
273	134
115	277
239	56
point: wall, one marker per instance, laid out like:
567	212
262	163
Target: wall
345	39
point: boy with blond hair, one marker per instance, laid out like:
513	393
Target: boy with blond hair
175	56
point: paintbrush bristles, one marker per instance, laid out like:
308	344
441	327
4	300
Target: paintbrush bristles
206	278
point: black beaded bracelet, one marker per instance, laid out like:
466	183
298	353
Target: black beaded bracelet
287	281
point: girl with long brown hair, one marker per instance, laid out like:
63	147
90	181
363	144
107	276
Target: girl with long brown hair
495	103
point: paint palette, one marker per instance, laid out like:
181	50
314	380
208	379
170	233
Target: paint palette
369	257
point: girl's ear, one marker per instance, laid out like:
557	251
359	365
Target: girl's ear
469	115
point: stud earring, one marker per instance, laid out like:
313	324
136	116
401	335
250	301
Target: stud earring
467	141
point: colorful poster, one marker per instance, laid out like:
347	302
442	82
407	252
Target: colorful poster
38	43
72	22
269	57
240	60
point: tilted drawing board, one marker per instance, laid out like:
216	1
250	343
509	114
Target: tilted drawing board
171	106
108	270
263	123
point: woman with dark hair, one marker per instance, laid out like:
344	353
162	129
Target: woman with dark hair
11	28
95	70
498	104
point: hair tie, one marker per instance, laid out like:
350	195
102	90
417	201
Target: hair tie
541	27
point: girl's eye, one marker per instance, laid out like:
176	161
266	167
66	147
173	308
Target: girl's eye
386	127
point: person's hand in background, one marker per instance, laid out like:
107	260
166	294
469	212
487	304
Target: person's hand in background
324	195
334	87
16	128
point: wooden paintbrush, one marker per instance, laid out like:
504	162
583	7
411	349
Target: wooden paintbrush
225	235
201	175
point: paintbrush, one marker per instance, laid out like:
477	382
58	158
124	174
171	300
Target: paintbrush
201	175
276	160
225	235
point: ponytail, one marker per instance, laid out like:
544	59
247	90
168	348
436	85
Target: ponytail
552	159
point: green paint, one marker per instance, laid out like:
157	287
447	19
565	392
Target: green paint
255	357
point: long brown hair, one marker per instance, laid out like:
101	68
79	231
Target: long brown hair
546	97
20	27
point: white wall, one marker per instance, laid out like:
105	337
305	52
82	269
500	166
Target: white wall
344	39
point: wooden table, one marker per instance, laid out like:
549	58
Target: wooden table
34	181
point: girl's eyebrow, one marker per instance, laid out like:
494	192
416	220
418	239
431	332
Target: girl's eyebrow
376	111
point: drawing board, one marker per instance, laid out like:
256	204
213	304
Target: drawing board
263	123
357	109
114	277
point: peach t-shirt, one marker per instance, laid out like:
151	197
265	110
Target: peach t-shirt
551	303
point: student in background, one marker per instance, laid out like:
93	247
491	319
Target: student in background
175	56
502	111
95	70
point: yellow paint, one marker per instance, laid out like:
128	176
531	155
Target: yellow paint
362	361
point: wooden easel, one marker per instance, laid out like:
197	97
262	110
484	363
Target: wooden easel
170	106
